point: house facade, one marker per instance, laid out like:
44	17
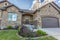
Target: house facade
45	15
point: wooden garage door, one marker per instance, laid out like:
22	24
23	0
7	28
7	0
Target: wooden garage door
48	22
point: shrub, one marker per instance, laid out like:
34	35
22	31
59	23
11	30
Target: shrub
9	27
26	32
19	28
40	32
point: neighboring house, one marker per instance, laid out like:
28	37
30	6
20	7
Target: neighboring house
45	15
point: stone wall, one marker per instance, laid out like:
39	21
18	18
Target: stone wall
5	21
46	11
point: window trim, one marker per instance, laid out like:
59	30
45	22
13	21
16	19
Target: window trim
12	19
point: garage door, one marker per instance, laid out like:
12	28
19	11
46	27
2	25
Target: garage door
48	22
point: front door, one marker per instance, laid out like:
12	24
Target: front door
27	19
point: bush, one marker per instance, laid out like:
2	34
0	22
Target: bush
9	27
26	32
40	32
19	28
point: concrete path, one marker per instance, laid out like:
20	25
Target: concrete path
55	32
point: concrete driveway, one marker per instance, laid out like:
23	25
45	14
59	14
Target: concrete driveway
55	32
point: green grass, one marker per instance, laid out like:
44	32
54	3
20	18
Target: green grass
47	38
11	35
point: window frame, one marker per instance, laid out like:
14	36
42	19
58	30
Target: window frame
12	14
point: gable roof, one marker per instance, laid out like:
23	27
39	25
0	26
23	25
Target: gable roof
8	5
55	6
29	11
52	4
20	10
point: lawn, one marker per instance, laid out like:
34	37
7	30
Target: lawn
11	35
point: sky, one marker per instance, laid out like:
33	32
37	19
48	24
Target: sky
57	2
26	4
23	4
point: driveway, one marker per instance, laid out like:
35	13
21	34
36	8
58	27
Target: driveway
55	32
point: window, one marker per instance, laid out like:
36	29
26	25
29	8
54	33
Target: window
12	16
5	4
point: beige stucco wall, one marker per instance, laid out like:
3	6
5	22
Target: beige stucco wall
46	11
5	21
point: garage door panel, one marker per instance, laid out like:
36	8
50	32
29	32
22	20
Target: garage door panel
50	22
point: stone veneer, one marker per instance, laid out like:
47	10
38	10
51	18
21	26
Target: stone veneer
46	11
4	19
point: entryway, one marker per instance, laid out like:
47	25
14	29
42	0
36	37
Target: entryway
27	19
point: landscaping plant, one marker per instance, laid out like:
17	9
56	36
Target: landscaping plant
40	32
9	27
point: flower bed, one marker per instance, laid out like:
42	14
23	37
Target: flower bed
26	32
